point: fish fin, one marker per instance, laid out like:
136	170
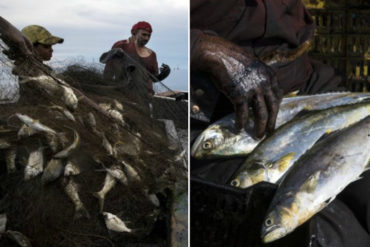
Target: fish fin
310	184
283	162
81	213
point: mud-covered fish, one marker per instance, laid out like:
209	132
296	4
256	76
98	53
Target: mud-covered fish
63	110
317	178
114	223
276	154
71	189
67	151
109	183
19	238
35	124
116	172
35	164
222	140
53	170
131	172
26	131
71	169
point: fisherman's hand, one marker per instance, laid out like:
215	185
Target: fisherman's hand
243	79
164	71
19	45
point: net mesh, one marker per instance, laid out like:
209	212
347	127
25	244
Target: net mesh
98	124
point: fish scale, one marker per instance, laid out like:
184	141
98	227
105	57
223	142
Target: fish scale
222	140
317	178
276	154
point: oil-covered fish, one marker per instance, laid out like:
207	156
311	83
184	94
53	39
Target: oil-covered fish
222	140
67	151
69	97
131	172
53	170
317	178
114	223
35	164
63	110
71	169
71	189
109	183
19	238
26	131
116	172
35	124
276	154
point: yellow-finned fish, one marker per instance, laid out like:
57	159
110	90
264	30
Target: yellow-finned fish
221	139
317	178
276	154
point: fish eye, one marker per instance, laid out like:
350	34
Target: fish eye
269	222
207	145
235	183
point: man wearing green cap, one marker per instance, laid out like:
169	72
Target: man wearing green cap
42	41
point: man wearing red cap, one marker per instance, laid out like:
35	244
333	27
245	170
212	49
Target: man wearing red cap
136	49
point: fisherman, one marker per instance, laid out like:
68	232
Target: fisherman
42	41
135	47
249	54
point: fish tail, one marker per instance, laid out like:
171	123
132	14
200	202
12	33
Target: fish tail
81	212
101	200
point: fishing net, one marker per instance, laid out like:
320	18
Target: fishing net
94	124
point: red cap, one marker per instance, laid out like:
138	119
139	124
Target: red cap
142	25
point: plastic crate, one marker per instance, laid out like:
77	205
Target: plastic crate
223	216
342	38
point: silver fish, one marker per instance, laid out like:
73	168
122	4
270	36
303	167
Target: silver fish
18	237
109	183
107	146
35	164
71	169
35	124
53	170
221	139
10	156
117	105
317	178
69	98
67	151
117	173
66	113
276	154
90	120
114	223
26	131
71	189
3	220
131	172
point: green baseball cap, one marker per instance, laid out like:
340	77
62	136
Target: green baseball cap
39	34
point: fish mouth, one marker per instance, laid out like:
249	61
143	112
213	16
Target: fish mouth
273	233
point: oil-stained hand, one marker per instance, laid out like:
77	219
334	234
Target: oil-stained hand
242	78
19	45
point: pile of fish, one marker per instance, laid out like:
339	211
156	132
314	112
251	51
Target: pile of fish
320	145
78	170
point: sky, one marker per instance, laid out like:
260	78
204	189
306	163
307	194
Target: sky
91	27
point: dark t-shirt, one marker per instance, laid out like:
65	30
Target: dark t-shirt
149	62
